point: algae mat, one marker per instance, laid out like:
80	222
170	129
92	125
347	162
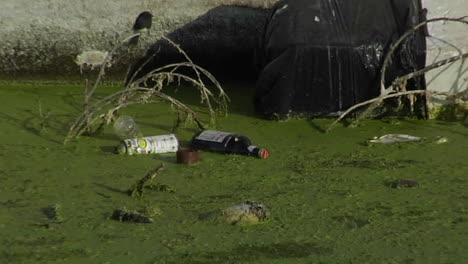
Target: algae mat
328	194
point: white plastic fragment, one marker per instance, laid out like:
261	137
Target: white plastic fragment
395	138
92	58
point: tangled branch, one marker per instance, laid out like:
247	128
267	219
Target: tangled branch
391	92
137	92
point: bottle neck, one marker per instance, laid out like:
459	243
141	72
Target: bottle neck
258	152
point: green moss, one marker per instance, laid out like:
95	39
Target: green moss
450	112
329	194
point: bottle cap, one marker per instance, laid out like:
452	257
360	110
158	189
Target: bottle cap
263	153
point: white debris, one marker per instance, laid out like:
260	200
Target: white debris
395	138
92	58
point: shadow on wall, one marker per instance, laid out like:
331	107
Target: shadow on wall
223	41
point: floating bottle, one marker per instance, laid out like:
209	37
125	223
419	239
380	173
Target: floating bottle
125	127
229	143
149	145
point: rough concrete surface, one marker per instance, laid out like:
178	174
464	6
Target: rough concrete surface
447	39
46	36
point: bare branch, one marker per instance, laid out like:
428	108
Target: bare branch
395	45
398	81
134	93
377	99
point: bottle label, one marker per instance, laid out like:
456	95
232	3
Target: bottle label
251	148
155	144
214	136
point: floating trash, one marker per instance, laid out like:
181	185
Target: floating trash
248	213
149	145
125	127
440	140
92	58
395	138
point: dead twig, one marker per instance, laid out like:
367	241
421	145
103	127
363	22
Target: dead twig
398	81
397	43
386	93
137	189
135	93
103	67
378	100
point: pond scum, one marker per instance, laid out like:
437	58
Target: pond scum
332	197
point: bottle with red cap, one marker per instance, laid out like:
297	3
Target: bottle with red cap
229	143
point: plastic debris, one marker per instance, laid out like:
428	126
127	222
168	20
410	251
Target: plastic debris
125	127
395	138
149	145
440	140
92	58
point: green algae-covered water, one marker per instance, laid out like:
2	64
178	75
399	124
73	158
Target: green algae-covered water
328	193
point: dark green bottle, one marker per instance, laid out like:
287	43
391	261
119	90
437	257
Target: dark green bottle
228	143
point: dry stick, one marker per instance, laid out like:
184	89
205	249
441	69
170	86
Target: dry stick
152	92
183	107
83	121
398	81
204	96
86	119
103	67
393	48
141	66
222	97
87	96
130	82
161	95
380	98
395	45
186	64
428	68
137	189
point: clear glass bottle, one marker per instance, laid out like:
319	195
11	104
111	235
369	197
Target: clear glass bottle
228	143
125	127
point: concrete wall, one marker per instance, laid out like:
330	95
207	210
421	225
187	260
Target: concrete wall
447	39
45	36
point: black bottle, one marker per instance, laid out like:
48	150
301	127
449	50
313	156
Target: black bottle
229	143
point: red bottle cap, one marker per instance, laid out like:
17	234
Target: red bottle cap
263	153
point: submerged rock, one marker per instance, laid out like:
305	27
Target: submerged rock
248	213
403	183
125	215
53	212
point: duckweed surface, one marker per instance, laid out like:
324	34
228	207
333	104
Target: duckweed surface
328	193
